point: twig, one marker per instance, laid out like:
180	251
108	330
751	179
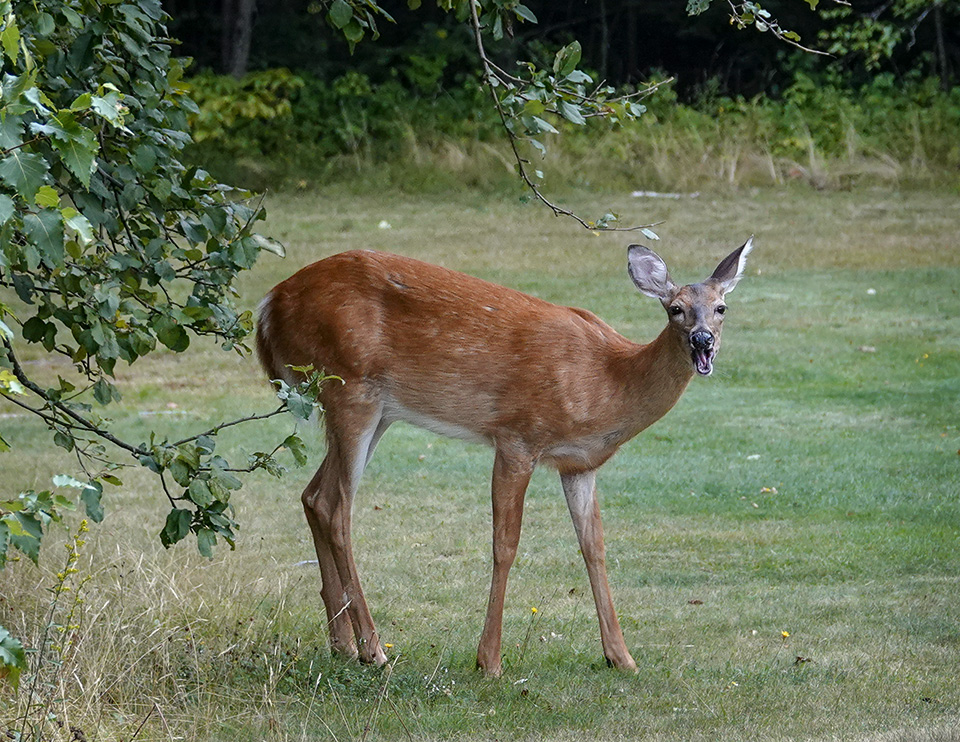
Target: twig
142	723
491	71
380	697
81	421
773	25
217	428
400	718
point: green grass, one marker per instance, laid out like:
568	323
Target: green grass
812	486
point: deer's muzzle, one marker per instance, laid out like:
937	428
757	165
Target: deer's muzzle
702	351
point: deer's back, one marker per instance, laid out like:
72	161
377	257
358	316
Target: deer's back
448	346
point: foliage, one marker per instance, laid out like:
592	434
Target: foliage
906	127
873	37
748	13
38	706
223	101
521	98
112	248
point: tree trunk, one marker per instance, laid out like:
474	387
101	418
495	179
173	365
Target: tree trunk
236	36
941	48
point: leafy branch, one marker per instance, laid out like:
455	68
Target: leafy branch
114	247
562	94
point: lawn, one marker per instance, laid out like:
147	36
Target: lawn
784	546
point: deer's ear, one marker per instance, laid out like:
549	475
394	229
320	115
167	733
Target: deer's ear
730	271
649	273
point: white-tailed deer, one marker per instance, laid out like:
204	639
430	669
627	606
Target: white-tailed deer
465	358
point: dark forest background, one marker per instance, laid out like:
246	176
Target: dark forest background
279	87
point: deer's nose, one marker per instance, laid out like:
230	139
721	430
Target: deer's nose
701	340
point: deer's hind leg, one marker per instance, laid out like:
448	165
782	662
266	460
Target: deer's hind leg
354	424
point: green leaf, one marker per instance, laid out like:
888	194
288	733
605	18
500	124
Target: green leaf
82	102
45	230
413	4
27	537
109	106
649	233
340	14
47	197
571	112
176	528
90	495
269	244
696	7
10	38
353	32
525	13
78	223
6	208
199	492
45	24
64	440
104	392
34	329
567	59
172	335
206	540
296	446
31	524
11	131
13	657
78	147
534	107
181	472
23	171
543	125
65	480
144	158
4	542
299	405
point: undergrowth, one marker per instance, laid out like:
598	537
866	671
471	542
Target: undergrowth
275	128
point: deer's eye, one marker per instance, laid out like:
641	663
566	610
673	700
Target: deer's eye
675	311
721	309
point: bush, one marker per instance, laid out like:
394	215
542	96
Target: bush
413	130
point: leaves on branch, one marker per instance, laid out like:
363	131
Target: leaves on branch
114	247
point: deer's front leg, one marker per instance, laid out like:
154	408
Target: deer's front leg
580	492
511	475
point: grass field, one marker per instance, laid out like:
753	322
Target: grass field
811	487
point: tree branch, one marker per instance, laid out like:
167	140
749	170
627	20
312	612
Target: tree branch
490	72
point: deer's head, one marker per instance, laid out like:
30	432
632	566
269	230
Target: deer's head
695	312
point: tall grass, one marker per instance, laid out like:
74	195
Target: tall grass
810	487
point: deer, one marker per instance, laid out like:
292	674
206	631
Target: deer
538	382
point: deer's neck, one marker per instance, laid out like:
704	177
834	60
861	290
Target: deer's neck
656	375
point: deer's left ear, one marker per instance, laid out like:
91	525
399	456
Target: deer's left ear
730	271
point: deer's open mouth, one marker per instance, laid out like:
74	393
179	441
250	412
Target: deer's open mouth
703	360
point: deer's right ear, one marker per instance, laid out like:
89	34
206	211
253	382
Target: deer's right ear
649	272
